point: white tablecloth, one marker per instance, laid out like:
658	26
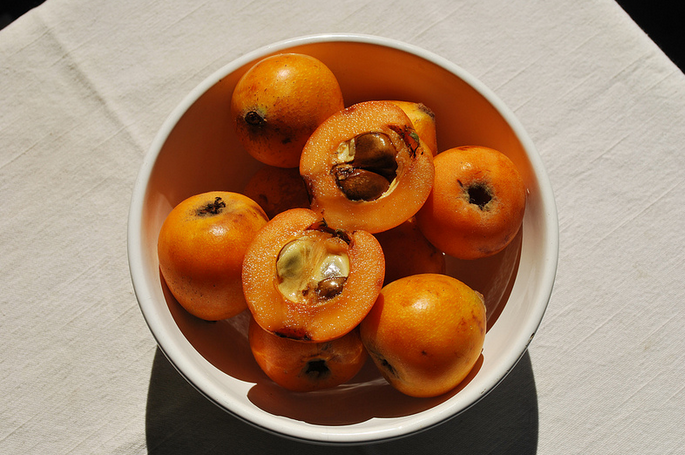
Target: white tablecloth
86	84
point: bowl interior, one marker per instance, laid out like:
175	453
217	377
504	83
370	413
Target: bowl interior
197	151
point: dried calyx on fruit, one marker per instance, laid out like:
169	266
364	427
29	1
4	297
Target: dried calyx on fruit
313	266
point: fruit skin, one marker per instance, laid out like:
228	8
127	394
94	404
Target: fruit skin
324	320
425	333
279	102
407	252
423	119
201	252
455	218
406	194
277	189
305	367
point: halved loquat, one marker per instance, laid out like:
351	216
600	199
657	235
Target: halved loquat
306	281
366	168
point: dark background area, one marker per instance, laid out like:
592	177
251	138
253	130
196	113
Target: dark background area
660	19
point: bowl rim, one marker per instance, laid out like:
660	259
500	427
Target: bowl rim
318	433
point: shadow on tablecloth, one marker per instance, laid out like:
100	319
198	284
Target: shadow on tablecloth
180	420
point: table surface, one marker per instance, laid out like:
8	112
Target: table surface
84	87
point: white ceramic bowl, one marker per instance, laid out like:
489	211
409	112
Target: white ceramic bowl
196	150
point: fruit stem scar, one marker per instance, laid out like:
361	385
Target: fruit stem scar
212	208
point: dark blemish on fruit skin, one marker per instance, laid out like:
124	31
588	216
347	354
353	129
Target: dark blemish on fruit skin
424	353
383	363
386	365
212	208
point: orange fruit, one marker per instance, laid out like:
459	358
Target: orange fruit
277	189
278	103
201	246
477	204
407	252
425	333
304	367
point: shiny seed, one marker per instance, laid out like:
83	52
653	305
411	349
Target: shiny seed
313	266
362	185
330	287
374	151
